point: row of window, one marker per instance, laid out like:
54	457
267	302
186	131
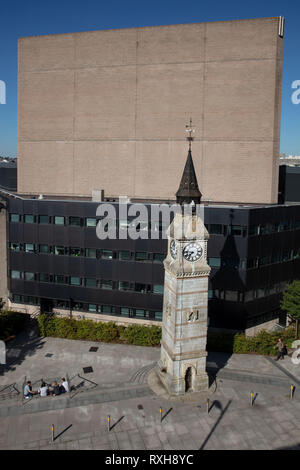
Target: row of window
248	296
274	258
213	229
266	229
88	282
55	219
93	308
83	221
124	255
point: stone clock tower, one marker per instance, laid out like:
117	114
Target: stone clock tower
182	366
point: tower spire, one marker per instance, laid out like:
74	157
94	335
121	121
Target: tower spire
188	190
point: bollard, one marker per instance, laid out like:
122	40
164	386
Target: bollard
251	398
292	391
108	423
160	411
52	433
207	405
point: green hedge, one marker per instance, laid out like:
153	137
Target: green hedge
263	343
11	323
107	332
141	335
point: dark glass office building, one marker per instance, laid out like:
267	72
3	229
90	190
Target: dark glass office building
57	262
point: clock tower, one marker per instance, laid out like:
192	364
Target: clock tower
182	365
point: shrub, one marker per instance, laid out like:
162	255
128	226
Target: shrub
107	332
141	335
263	343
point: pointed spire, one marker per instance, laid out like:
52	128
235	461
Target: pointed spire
188	190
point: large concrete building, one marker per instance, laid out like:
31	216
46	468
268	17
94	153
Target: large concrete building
93	104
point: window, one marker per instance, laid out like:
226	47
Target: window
143	288
275	258
216	229
239	230
90	222
158	289
286	255
108	309
15	246
158	257
44	277
44	219
58	220
17	298
16	275
249	295
90	252
142	313
125	285
14	218
90	282
107	254
29	219
75	281
214	262
141	256
108	285
59	250
210	294
260	293
59	279
75	221
29	248
264	260
124	255
78	306
127	312
231	296
253	230
242	264
44	249
92	308
29	276
266	229
158	315
74	251
252	263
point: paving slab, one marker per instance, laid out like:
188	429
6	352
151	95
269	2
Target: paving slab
124	390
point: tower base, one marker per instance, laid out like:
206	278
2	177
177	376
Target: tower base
179	385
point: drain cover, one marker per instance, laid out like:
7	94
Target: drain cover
140	407
93	349
87	370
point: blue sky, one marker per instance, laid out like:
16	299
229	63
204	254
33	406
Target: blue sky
38	17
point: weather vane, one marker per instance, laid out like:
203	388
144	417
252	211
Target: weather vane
190	129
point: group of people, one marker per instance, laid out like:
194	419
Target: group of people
47	390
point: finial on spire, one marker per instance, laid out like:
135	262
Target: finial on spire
188	190
190	129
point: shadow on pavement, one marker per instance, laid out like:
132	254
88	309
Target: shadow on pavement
24	345
223	411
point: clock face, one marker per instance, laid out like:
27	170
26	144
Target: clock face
173	249
192	251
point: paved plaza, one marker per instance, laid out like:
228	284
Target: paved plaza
119	381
